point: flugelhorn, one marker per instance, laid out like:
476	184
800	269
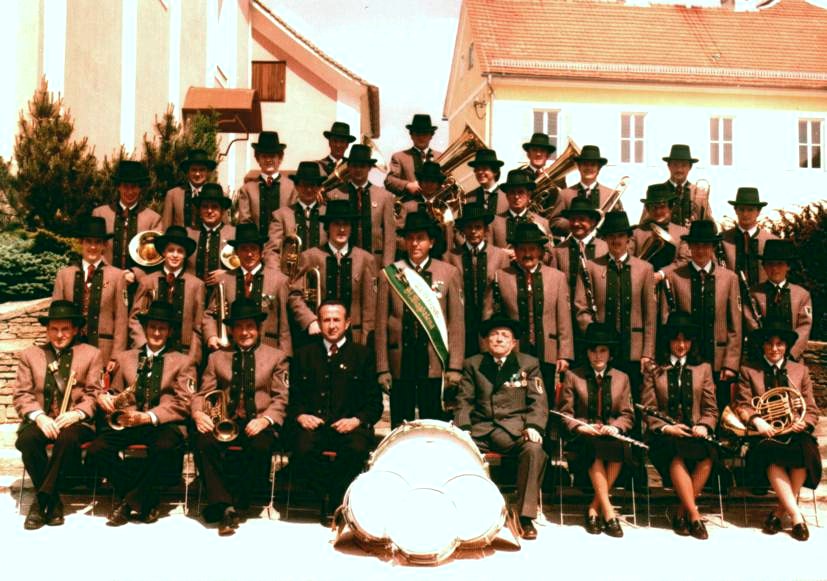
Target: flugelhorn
215	406
781	407
221	316
142	249
461	150
291	248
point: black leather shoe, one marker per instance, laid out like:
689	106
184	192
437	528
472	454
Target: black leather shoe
529	533
54	514
800	532
229	522
36	517
119	515
613	528
151	515
592	524
772	525
698	530
680	525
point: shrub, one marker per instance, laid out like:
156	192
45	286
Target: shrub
29	263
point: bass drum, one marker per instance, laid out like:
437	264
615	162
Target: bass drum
366	501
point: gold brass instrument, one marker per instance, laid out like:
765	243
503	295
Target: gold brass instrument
612	200
313	288
229	258
291	248
445	206
780	407
552	179
142	249
660	248
221	316
149	297
339	176
461	150
123	400
215	406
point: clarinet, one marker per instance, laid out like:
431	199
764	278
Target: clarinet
720	255
670	296
656	413
620	437
496	294
587	285
755	310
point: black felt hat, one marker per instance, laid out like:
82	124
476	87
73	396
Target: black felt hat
61	310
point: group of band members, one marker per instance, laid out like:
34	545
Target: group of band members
358	290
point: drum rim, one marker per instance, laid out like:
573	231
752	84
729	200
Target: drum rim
492	532
434	558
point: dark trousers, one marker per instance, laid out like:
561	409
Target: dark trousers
138	488
530	468
47	473
408	394
324	476
550	379
254	460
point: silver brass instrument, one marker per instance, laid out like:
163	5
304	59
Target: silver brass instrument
445	206
221	316
313	288
461	150
291	248
215	406
780	407
612	200
142	249
620	437
229	258
552	179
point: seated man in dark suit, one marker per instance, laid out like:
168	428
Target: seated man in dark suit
503	404
334	402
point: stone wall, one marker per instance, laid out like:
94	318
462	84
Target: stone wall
19	329
816	359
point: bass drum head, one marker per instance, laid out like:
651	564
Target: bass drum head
367	501
423	526
480	508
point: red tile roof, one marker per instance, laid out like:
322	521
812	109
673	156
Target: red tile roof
784	45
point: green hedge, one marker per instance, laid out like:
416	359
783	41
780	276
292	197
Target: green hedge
29	263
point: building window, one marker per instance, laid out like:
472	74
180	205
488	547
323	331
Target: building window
545	121
631	137
268	80
809	143
720	140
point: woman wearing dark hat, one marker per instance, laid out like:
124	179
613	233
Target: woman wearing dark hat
518	189
345	273
211	236
681	387
690	204
180	289
486	168
38	396
178	202
744	242
97	289
589	163
401	178
300	218
264	191
792	460
538	149
600	396
338	139
778	298
126	216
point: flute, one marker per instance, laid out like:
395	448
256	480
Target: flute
620	437
656	413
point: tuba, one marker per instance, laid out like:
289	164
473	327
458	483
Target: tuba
781	407
215	406
552	179
142	249
461	150
291	248
445	206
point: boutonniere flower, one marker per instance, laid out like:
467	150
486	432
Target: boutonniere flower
439	288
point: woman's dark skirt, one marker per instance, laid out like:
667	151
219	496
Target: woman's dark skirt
664	448
584	450
797	450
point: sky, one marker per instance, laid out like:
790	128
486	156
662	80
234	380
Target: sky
410	64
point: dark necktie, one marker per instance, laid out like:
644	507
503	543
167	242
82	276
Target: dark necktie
269	181
417	158
776	376
599	380
87	288
248	284
746	243
777	298
334	349
170	286
678	371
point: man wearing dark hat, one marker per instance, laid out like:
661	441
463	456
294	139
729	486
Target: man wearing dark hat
345	273
503	404
690	203
401	176
97	289
710	294
486	168
412	357
659	240
623	295
161	381
745	241
183	291
127	216
477	260
43	375
300	218
211	236
518	189
780	299
334	403
537	296
375	228
264	191
430	179
589	163
338	139
254	379
538	149
178	202
266	287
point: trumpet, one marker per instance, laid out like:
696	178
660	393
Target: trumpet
221	316
291	247
215	406
445	206
142	249
781	407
